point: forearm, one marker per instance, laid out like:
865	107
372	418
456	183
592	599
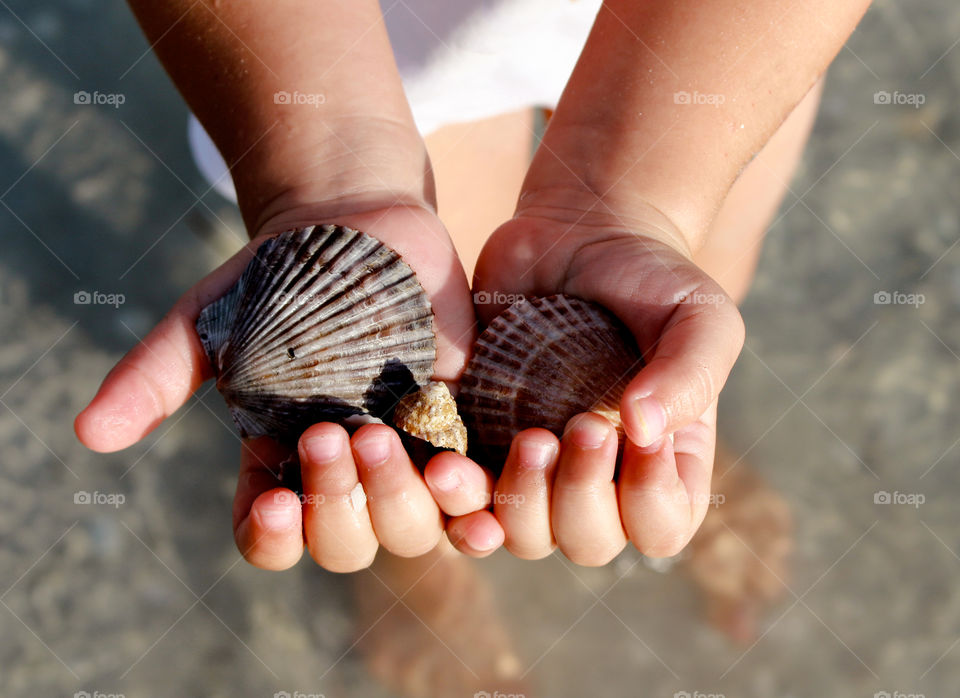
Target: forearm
669	101
350	139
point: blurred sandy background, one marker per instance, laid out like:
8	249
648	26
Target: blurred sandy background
837	399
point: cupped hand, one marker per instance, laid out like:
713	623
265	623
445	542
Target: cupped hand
341	525
568	492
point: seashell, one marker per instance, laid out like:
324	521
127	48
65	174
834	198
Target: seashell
538	364
324	323
431	414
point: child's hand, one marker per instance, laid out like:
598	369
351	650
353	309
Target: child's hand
271	523
690	331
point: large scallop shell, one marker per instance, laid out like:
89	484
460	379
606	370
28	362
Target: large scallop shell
325	322
538	364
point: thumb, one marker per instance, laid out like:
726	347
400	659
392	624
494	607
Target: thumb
687	368
159	374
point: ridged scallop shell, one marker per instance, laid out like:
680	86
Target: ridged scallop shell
325	322
538	364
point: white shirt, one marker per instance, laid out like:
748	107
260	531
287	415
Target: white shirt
463	60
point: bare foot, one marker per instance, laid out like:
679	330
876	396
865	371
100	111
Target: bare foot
740	556
429	627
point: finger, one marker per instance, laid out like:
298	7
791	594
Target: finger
267	525
585	518
664	490
687	367
158	375
522	502
477	534
336	522
405	518
458	485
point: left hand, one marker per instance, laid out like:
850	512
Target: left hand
562	492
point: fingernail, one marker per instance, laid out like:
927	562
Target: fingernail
276	517
651	418
448	482
324	448
373	448
535	455
588	432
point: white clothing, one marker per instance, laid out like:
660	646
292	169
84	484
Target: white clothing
463	60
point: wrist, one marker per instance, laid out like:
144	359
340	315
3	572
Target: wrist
594	216
332	168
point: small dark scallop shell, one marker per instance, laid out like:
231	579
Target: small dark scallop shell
538	364
325	322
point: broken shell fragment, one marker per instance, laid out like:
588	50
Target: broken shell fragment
324	323
431	414
538	364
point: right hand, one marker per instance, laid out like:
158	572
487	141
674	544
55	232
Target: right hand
271	523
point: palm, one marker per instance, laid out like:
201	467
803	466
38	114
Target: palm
683	322
160	374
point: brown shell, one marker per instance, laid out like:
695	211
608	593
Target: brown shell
538	364
325	322
431	414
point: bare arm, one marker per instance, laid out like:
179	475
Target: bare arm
342	148
351	142
670	100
